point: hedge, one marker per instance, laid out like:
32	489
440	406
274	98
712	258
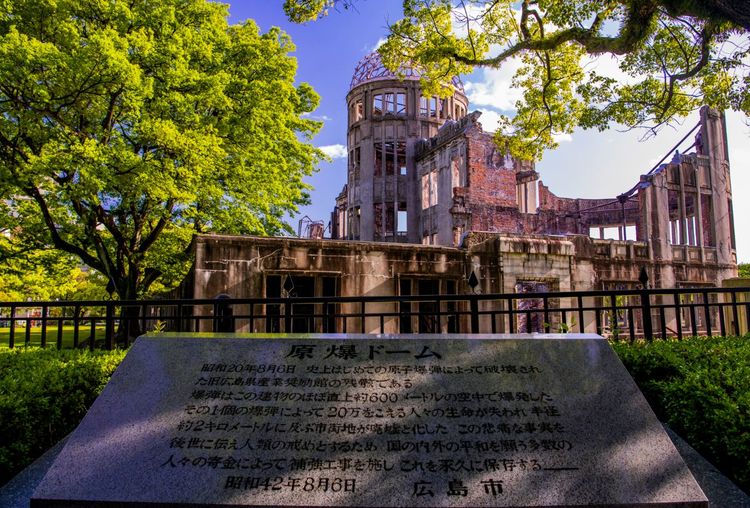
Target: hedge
44	394
701	388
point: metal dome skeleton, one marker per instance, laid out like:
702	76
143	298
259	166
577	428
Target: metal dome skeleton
371	68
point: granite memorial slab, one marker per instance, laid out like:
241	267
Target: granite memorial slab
363	420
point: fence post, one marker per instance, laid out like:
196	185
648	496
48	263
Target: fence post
288	315
12	331
648	330
109	326
474	307
43	336
223	315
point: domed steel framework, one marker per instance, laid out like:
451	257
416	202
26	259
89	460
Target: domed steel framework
371	68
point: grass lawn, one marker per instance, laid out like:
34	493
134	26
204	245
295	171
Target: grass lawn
35	337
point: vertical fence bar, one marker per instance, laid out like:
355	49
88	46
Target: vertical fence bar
648	329
144	319
12	331
76	324
43	336
693	320
179	317
474	309
598	319
27	338
288	316
735	314
546	325
125	326
614	325
109	324
59	331
437	328
252	317
362	316
511	316
581	328
678	315
92	337
663	322
631	323
707	312
722	324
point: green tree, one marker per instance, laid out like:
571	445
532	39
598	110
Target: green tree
128	127
743	270
676	55
49	275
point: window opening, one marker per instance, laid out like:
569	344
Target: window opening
377	105
390	157
401	104
402	217
390	104
401	157
359	112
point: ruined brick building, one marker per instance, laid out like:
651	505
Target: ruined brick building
429	199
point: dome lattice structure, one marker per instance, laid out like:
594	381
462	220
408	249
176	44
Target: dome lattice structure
371	68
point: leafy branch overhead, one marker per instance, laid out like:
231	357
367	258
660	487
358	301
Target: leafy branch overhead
128	127
673	56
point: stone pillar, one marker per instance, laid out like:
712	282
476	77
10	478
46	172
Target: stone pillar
713	133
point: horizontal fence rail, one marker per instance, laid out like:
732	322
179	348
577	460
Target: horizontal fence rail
622	314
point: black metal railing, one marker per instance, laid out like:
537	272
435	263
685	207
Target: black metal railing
631	314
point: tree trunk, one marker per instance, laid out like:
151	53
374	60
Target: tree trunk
130	326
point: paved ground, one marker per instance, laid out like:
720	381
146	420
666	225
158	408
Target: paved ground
721	492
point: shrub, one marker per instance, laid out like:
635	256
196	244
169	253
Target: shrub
701	388
44	394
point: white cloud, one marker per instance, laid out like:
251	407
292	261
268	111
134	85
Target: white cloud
334	151
562	138
320	118
608	66
492	87
490	120
380	42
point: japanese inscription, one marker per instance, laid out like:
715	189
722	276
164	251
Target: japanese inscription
322	415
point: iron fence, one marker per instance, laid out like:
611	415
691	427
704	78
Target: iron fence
626	314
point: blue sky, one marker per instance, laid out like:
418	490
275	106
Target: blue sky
587	164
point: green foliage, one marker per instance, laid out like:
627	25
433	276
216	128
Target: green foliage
128	127
701	388
673	56
44	394
47	274
743	270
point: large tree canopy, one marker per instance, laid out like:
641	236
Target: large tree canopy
128	126
673	56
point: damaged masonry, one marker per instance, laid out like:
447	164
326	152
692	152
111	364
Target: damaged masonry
430	199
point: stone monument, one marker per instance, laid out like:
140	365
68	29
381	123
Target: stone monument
364	420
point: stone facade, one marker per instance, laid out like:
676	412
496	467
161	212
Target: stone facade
430	199
388	116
